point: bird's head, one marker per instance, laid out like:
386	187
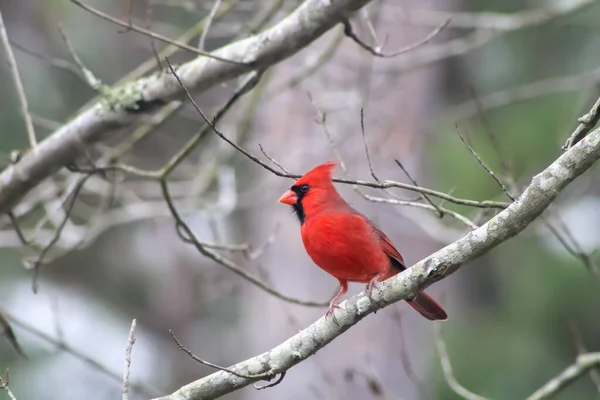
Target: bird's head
312	190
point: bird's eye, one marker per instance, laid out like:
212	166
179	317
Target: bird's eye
304	188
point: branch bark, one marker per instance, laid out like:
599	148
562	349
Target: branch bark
583	364
535	199
121	106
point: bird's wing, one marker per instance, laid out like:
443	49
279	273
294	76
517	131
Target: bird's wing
388	247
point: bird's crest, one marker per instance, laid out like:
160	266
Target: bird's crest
320	173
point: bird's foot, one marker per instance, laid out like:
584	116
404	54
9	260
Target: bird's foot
329	312
369	291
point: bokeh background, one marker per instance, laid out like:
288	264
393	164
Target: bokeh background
517	314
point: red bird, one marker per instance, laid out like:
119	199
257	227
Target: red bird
345	243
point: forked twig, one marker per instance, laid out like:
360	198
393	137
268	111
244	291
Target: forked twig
376	51
268	376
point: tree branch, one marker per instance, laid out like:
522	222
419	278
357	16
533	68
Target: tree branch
307	23
583	364
535	199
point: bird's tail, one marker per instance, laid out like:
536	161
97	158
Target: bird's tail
428	307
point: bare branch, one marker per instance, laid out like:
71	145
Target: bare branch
211	16
39	261
55	62
362	130
156	36
586	124
484	165
498	21
281	167
524	92
312	19
7	330
583	363
266	376
129	15
376	51
116	376
88	75
447	368
128	349
4	385
581	349
187	235
437	209
14	69
535	199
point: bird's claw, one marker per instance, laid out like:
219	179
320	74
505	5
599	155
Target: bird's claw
369	291
330	313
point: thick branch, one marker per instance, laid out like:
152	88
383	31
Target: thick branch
307	23
535	199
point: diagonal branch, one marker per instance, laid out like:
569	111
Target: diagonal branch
542	191
303	26
583	364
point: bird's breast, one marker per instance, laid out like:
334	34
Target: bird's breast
344	246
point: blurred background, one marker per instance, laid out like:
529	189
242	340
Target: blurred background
518	315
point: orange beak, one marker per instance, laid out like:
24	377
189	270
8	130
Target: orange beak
289	198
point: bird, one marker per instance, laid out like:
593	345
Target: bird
345	243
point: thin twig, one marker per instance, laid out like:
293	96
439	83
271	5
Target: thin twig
149	19
155	35
62	345
378	185
128	349
88	75
264	376
438	210
14	69
586	124
362	129
523	92
36	265
274	161
128	16
583	363
7	330
211	16
55	62
447	368
484	165
472	225
187	235
376	51
17	228
574	249
4	385
581	349
487	128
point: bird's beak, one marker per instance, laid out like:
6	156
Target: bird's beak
289	198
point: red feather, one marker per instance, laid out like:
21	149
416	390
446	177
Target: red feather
344	243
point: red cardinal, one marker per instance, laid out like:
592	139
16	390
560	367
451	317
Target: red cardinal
345	243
